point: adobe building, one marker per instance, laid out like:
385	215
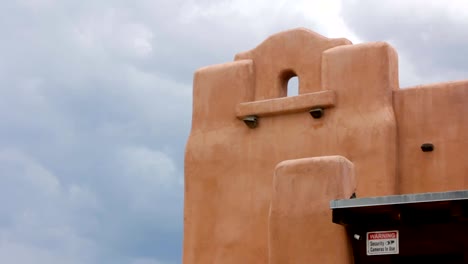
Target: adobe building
354	169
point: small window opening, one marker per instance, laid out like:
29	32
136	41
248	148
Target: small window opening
293	86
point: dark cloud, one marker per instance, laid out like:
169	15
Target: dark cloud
431	36
95	103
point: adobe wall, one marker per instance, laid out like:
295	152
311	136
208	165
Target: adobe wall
437	114
261	195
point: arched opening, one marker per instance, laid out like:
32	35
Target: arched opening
289	83
293	86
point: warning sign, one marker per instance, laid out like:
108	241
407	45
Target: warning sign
382	243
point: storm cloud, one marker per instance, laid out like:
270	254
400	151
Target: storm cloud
95	103
95	100
430	36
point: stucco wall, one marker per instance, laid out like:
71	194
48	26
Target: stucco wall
375	127
436	114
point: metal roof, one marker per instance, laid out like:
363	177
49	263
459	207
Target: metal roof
400	199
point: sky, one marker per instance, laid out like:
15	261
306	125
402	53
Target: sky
95	107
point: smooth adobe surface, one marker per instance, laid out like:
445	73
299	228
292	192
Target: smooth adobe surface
368	120
281	56
299	211
436	114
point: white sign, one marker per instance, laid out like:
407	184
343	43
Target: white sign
382	242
